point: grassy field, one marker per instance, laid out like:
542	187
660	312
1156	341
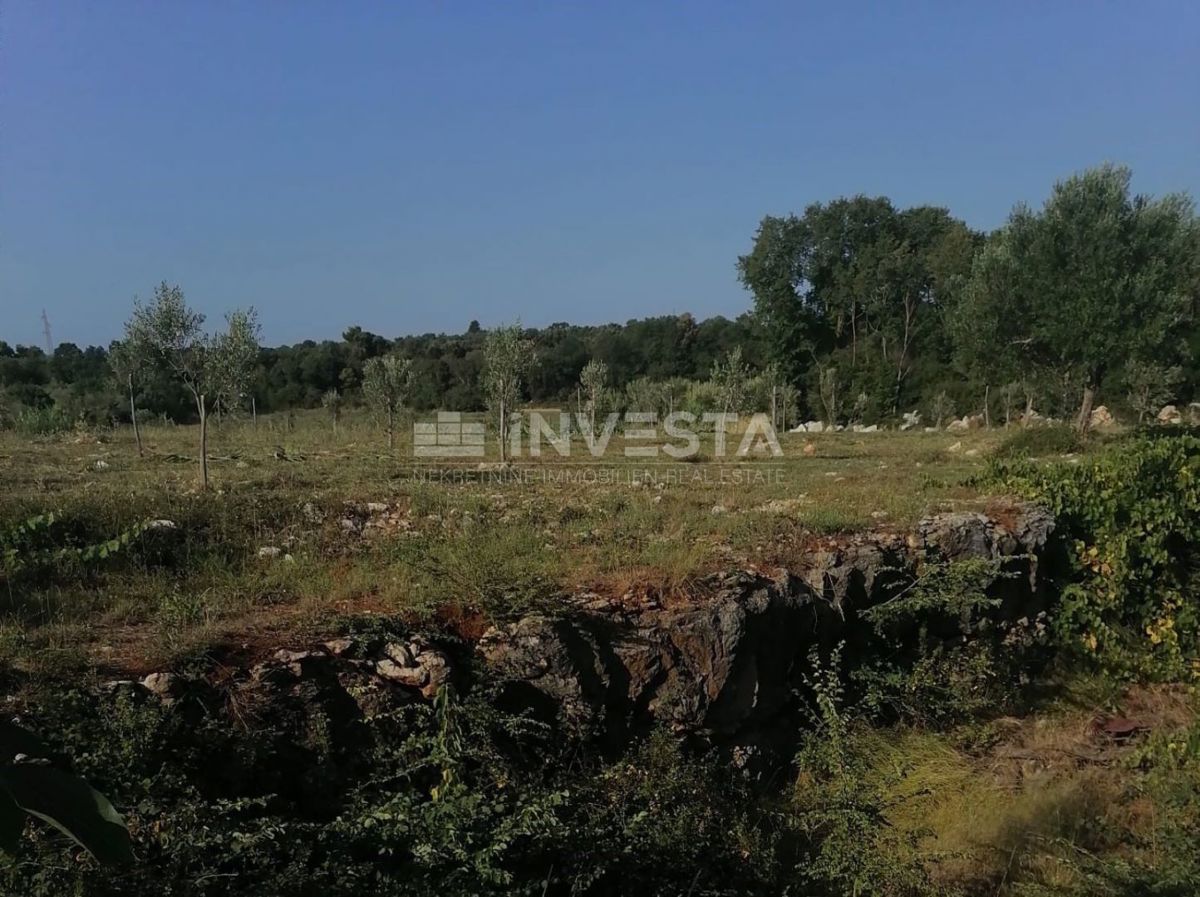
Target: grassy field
305	533
303	526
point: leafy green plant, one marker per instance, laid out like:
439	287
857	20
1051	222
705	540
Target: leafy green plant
1037	442
839	813
31	785
1131	515
30	546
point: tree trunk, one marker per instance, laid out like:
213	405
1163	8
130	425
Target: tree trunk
391	428
253	413
1028	409
203	444
987	401
137	434
1085	410
503	432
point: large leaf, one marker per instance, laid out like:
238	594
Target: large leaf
72	806
12	823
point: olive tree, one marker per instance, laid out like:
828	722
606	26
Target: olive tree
730	377
332	401
508	358
1096	276
386	386
594	381
166	334
126	366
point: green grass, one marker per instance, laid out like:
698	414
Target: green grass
469	545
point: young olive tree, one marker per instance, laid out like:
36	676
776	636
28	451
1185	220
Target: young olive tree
827	387
126	367
386	386
508	357
236	351
730	377
594	381
168	335
332	402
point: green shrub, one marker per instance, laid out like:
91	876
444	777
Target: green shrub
839	814
1131	515
1036	442
48	421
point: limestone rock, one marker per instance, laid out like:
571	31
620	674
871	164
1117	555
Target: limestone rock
165	686
1169	414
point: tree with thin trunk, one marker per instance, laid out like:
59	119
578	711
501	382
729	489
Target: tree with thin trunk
1151	386
730	377
168	335
593	379
332	401
508	358
126	367
827	387
236	351
941	408
387	385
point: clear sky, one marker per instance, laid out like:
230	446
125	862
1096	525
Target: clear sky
409	166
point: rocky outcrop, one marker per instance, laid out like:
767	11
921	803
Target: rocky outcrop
729	662
722	665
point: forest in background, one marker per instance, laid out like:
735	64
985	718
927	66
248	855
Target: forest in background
861	310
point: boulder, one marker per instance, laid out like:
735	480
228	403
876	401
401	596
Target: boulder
165	686
911	420
1169	414
1102	417
961	425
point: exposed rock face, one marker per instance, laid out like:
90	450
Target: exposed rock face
728	664
721	666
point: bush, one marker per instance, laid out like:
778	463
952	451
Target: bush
49	421
1034	442
1131	515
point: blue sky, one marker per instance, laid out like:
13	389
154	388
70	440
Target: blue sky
409	166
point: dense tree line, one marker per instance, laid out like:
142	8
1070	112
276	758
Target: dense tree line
860	309
447	369
876	309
